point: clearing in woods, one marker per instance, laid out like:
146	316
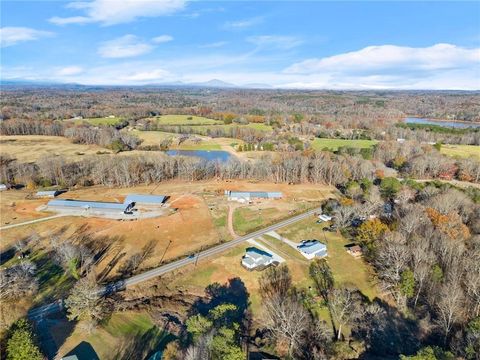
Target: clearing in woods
185	120
334	144
463	151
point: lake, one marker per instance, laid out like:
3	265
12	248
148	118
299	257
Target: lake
453	124
222	156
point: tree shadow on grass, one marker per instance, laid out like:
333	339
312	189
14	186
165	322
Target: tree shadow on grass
142	346
7	255
234	292
385	330
83	351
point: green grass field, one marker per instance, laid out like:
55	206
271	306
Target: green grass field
334	144
186	120
345	268
246	220
463	151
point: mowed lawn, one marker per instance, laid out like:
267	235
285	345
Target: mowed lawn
346	269
463	151
246	220
334	144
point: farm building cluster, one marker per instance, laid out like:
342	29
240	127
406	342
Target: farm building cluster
134	206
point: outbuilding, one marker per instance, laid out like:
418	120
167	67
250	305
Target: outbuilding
248	196
324	217
312	249
355	250
47	193
3	187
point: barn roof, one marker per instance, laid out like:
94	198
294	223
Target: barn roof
256	194
312	247
47	193
145	199
88	204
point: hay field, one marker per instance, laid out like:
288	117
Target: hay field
27	148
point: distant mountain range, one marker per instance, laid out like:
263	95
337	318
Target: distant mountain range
214	83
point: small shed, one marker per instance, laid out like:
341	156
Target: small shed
3	187
324	217
47	193
355	250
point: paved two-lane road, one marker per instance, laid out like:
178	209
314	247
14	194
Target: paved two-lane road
41	312
161	270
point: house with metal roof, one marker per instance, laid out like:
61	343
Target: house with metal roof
255	258
3	187
145	199
47	193
89	207
312	249
248	196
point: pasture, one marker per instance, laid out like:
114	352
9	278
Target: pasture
462	151
185	120
334	144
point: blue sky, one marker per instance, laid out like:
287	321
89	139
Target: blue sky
336	45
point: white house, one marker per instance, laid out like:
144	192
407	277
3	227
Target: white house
312	249
3	187
255	258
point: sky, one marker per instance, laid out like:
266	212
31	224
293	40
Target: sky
280	44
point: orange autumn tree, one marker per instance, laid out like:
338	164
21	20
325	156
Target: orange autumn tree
450	224
371	230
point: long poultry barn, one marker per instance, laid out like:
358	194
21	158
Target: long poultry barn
90	207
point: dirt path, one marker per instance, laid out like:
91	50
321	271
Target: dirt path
31	221
231	230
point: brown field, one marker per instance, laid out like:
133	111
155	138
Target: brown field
29	148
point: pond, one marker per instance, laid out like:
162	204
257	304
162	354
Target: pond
452	124
222	156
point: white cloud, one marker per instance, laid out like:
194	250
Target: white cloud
13	35
162	39
242	24
385	58
108	12
125	46
214	45
275	41
148	76
445	72
70	70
